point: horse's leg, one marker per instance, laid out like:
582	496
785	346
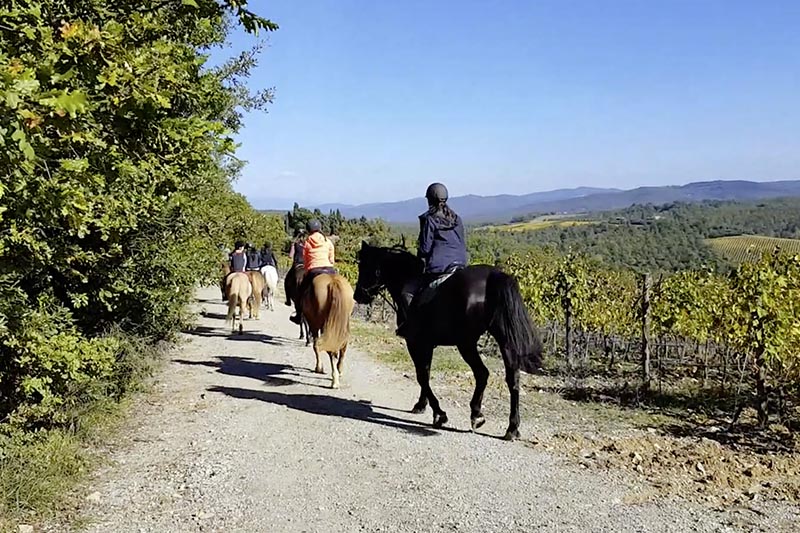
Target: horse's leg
512	379
422	356
469	352
334	370
242	308
340	364
256	305
422	402
231	317
318	368
304	323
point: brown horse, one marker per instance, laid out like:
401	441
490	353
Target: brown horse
327	307
258	283
291	284
238	291
226	269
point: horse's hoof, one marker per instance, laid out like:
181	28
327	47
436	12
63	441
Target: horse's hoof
477	422
334	385
511	435
319	371
419	408
439	420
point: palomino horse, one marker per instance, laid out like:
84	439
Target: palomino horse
327	307
258	283
291	284
469	303
270	274
238	291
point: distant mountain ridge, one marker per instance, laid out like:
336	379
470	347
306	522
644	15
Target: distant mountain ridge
503	207
470	207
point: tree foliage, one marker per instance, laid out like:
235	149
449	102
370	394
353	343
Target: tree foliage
115	180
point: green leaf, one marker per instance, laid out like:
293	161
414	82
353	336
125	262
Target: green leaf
12	99
190	3
74	165
71	102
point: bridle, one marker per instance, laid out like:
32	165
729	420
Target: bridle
379	289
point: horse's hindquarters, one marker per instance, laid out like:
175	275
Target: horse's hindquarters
328	306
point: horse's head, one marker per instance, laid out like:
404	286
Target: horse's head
379	268
370	281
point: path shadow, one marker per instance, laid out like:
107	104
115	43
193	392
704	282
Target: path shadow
328	406
211	301
252	336
247	367
217	316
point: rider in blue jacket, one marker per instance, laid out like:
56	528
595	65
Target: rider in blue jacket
442	247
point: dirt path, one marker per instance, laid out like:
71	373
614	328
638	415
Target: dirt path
241	436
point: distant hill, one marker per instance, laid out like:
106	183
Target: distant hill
470	207
504	207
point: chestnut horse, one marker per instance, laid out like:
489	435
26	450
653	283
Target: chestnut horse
327	307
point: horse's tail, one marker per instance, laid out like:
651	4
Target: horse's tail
336	330
232	295
510	323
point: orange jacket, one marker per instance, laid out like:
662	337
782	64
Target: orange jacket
318	251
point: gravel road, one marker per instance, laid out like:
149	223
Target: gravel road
240	435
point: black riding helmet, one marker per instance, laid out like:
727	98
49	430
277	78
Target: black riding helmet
314	225
436	193
238	245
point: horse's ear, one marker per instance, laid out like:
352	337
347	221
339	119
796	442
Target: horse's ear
403	240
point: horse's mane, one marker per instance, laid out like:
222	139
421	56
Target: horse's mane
402	257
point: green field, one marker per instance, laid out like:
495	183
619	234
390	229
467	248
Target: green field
742	248
537	224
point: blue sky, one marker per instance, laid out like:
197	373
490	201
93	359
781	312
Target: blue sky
377	98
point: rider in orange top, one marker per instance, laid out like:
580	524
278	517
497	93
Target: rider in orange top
318	257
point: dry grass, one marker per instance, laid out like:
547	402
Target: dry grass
537	224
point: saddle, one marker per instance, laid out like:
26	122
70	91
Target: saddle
428	291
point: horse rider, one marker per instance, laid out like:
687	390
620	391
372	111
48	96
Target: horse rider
237	258
296	250
318	258
296	256
237	261
267	256
253	258
442	248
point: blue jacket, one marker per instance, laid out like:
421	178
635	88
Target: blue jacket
441	243
238	261
253	259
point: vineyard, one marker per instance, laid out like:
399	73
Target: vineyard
740	248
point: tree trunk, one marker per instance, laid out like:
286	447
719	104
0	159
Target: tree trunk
645	356
762	398
568	334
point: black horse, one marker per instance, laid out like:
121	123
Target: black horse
471	302
291	285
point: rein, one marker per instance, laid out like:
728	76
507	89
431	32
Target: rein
388	301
